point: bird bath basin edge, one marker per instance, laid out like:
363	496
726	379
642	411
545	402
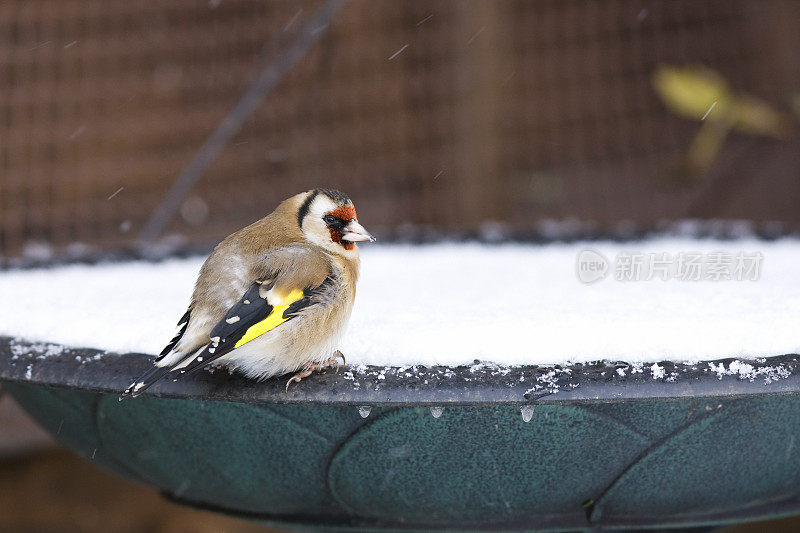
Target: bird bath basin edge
480	447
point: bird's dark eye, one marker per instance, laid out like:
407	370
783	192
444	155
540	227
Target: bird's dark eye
329	219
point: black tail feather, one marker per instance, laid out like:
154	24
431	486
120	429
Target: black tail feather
203	359
143	382
206	355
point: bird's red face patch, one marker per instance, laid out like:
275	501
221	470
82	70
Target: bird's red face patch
345	213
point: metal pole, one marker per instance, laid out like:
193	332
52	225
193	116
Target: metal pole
272	74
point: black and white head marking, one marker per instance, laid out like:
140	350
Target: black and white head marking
323	217
337	197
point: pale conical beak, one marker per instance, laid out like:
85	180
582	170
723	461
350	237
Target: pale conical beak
355	232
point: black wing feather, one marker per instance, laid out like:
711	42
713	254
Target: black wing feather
250	309
256	308
249	314
183	323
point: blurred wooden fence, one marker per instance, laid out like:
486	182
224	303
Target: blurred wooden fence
440	114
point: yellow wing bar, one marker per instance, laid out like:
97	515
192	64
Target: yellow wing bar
274	319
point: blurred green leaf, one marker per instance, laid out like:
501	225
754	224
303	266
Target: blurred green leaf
691	92
754	116
703	94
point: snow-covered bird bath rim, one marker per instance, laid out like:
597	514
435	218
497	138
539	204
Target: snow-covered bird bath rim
59	366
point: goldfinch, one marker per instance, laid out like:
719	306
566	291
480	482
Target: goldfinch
273	297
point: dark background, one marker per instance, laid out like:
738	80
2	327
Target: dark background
516	112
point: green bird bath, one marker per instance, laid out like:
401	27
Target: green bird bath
474	448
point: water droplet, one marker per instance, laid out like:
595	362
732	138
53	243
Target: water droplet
437	411
527	413
364	410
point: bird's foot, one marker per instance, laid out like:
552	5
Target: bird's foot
310	368
334	361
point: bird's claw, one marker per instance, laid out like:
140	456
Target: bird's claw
297	378
334	361
309	368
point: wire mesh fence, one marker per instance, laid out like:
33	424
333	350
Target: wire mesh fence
437	116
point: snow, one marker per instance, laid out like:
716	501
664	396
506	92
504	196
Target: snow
746	371
450	304
658	371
